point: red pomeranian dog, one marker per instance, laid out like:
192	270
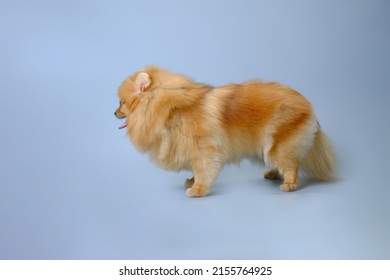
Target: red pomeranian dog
185	125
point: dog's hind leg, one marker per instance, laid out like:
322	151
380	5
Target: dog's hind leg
290	175
285	162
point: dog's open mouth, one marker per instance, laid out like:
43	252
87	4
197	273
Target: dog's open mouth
123	125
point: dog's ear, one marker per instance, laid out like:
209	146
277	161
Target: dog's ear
142	81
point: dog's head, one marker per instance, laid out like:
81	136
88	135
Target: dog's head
129	92
144	82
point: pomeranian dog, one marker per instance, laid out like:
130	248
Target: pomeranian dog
185	125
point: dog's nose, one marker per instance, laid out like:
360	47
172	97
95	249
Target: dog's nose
115	113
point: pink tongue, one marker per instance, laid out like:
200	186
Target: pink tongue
123	125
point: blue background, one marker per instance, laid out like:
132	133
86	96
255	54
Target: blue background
73	187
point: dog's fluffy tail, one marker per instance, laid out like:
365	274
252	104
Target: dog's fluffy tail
320	161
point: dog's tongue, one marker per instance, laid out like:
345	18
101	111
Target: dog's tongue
123	125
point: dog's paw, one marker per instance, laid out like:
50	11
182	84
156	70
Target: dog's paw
196	191
189	182
288	187
272	174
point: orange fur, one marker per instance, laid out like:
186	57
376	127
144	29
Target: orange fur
185	125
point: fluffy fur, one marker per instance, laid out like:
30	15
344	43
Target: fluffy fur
185	125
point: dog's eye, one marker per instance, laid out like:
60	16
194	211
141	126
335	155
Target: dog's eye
120	103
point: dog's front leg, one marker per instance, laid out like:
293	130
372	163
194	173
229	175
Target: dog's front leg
205	172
